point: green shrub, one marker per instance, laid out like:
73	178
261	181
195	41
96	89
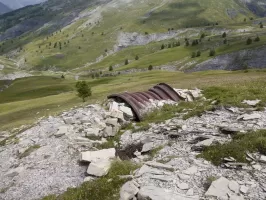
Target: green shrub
83	89
104	188
237	148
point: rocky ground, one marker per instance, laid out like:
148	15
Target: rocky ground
62	152
176	173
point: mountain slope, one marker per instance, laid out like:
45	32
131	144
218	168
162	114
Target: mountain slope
62	36
16	4
258	7
4	9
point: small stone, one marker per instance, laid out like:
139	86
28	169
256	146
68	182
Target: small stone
236	197
92	132
183	176
162	178
233	186
262	159
62	130
205	143
257	167
112	121
117	114
247	117
129	190
127	111
183	186
251	102
190	192
244	189
113	106
69	120
85	120
148	170
219	188
184	127
99	168
147	147
229	130
159	165
191	170
108	131
88	179
94	156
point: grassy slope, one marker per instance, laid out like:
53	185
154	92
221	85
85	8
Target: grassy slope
17	113
151	53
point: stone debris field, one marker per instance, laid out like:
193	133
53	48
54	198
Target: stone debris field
61	152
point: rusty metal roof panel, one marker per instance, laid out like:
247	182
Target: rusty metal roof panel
160	93
173	92
139	100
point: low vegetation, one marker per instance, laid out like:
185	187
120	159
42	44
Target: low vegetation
234	94
189	109
104	188
83	89
237	148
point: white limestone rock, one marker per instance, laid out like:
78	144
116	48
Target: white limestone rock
69	120
127	111
148	170
92	132
112	121
99	168
190	171
62	130
234	186
147	147
262	159
159	165
183	176
129	190
183	186
156	193
218	188
244	189
117	114
113	106
247	117
95	156
251	102
108	131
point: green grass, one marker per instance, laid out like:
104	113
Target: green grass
229	94
28	151
196	108
104	188
252	142
35	87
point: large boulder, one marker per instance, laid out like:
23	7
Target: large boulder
95	156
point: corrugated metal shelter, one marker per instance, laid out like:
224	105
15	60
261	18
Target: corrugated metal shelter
138	100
